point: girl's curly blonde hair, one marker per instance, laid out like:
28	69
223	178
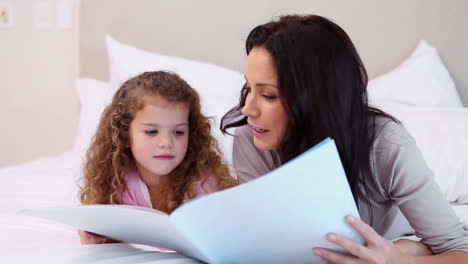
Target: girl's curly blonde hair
109	155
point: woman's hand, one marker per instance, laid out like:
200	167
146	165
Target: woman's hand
87	238
378	249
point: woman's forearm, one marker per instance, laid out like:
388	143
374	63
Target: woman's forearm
419	252
412	247
452	257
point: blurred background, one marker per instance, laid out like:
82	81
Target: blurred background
45	45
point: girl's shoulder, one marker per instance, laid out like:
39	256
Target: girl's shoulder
208	183
131	176
135	191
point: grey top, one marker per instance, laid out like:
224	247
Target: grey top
401	183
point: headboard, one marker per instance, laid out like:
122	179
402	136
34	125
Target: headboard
384	32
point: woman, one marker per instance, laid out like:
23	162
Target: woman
304	82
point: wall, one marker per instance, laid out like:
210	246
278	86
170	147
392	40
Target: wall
38	103
384	32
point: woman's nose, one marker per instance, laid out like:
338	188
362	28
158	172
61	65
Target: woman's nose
250	108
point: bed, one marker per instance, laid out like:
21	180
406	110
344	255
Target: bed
118	42
40	183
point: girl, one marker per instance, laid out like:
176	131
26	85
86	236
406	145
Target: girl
304	82
153	148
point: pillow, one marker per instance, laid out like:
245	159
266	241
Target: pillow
421	80
219	87
94	96
440	133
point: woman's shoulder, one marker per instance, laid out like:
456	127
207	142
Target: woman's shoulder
244	133
249	161
390	134
395	157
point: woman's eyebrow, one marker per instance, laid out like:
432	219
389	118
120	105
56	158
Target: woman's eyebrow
261	84
266	84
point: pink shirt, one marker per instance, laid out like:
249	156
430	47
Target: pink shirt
136	192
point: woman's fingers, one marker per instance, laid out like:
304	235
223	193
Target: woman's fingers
334	257
367	232
351	246
377	250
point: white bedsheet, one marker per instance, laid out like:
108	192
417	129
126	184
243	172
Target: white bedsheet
41	183
462	212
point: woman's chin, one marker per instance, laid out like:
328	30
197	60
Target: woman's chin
263	145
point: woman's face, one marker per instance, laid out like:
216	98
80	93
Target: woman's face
263	107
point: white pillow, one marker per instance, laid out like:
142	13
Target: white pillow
94	96
421	80
441	133
219	87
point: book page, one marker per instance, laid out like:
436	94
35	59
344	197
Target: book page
276	218
123	222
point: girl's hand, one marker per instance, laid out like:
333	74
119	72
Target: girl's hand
87	238
378	249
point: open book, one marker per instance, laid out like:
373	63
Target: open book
277	218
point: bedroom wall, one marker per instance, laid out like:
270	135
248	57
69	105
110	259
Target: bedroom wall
384	32
38	105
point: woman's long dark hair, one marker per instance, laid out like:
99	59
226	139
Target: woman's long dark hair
322	84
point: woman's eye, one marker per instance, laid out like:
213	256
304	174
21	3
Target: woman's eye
269	97
151	132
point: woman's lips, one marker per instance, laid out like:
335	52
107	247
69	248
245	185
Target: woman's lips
164	157
259	131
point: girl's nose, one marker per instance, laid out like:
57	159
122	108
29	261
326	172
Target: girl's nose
165	141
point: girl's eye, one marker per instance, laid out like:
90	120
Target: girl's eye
151	132
179	133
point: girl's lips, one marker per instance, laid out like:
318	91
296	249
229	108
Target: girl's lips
164	157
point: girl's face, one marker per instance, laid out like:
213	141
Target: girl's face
264	110
159	136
